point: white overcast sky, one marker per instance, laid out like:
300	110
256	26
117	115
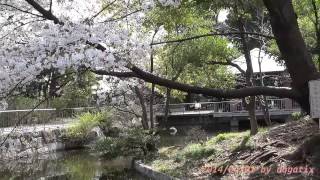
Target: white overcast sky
268	62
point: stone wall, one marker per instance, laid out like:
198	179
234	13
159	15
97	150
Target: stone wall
27	144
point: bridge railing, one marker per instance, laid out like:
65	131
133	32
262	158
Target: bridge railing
227	106
10	118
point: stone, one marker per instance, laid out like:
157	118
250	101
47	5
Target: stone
26	153
43	150
36	134
47	137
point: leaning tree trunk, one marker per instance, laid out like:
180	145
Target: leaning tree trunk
292	47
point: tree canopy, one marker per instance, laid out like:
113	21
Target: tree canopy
117	38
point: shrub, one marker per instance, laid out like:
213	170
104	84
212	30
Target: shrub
296	116
131	142
87	121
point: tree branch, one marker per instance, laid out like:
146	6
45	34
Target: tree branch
46	14
50	7
228	63
230	93
24	11
104	8
136	72
114	73
212	34
121	17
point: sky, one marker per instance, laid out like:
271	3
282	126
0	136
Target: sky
222	16
268	62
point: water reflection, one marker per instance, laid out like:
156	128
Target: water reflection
71	165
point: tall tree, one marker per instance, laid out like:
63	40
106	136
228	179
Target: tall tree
72	41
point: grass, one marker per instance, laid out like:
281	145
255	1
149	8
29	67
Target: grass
87	121
178	161
197	151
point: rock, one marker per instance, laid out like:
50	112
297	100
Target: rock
92	135
48	136
43	150
26	153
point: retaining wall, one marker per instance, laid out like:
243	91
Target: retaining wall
27	144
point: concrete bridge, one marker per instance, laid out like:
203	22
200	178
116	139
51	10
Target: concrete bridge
225	115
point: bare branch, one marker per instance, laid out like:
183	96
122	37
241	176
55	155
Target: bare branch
17	27
228	63
212	34
116	74
24	11
104	8
46	14
50	8
121	17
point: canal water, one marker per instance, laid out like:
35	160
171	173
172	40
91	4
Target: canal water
82	164
69	165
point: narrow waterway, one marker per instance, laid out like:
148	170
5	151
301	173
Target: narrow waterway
69	165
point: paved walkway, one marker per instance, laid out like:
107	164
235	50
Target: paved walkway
38	127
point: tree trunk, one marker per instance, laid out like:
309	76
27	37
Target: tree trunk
263	101
167	108
292	47
151	106
251	107
317	28
144	120
266	111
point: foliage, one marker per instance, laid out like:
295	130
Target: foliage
131	142
21	102
197	151
86	121
225	136
189	62
296	116
77	93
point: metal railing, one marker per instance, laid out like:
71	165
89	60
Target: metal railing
9	118
227	106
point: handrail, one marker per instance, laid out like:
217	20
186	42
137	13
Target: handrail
229	106
214	102
45	109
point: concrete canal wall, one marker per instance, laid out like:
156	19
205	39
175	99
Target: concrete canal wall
22	144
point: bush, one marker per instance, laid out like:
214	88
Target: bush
132	142
296	116
87	121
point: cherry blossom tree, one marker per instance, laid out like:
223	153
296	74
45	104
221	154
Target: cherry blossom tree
108	38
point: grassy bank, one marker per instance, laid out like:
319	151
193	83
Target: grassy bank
181	160
266	149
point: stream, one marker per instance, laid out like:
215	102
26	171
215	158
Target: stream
68	165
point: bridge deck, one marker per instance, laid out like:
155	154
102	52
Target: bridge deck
229	114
